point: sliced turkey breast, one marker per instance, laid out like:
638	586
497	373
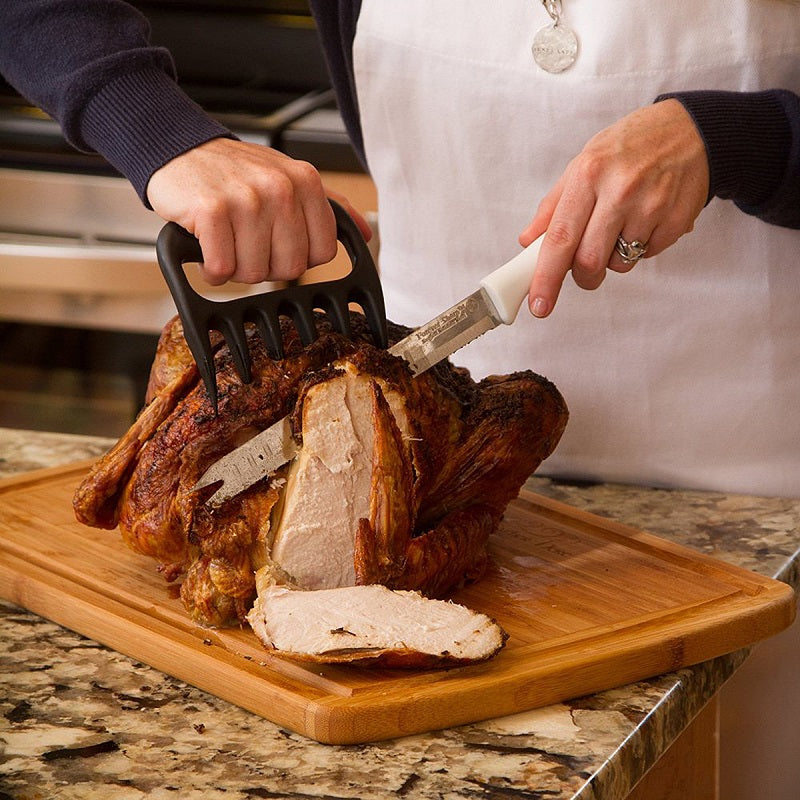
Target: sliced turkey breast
372	625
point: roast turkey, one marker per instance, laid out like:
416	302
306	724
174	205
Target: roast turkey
399	481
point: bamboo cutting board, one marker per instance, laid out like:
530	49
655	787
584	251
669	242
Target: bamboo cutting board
589	604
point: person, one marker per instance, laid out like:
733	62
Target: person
680	374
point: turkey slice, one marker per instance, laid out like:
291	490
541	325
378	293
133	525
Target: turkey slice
372	625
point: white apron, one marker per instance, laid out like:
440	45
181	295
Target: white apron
684	372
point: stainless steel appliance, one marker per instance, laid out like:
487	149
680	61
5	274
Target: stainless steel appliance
77	259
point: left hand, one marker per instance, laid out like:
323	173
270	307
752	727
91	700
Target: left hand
645	177
258	214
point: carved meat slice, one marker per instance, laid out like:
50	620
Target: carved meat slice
374	625
328	487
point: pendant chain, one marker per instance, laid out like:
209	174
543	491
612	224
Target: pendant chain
553	8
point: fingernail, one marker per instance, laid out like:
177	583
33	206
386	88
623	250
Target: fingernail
539	307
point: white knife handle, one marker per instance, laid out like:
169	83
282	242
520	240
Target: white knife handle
508	285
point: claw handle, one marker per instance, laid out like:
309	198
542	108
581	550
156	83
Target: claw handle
176	247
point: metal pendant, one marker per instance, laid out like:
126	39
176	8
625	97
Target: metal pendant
555	48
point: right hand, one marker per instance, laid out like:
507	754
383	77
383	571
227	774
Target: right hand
258	214
645	177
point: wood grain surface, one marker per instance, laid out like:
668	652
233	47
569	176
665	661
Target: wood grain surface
588	603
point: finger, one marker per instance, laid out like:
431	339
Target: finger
288	257
219	251
662	237
320	225
541	219
553	264
667	231
596	248
313	212
251	219
588	279
558	251
358	218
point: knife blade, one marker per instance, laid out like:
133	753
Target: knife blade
497	300
248	463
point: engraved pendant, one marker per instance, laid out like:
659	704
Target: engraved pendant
555	48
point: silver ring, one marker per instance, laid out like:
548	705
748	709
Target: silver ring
630	252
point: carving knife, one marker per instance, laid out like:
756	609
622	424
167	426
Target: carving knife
497	300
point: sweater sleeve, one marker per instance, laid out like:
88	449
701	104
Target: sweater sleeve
753	145
89	65
336	27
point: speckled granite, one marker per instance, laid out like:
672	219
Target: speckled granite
80	721
22	451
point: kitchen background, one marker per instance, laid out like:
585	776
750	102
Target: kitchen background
81	297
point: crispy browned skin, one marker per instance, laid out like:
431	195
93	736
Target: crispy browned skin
172	360
474	445
434	503
382	540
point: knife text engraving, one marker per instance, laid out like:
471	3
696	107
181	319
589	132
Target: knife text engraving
453	321
448	332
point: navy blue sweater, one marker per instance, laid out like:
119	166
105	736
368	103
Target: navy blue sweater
89	64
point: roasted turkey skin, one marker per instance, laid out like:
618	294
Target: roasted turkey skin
440	455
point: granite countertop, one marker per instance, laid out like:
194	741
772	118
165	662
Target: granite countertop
81	721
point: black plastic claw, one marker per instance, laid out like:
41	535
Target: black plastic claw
302	315
270	332
200	346
339	314
236	339
176	247
375	313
